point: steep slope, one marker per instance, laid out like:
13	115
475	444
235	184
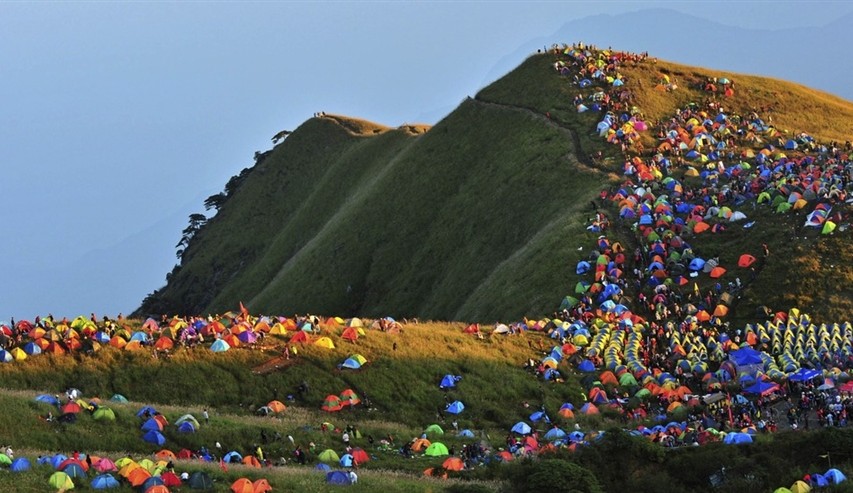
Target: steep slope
477	218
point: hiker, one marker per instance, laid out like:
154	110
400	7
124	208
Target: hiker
206	416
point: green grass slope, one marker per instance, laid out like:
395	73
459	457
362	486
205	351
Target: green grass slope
479	217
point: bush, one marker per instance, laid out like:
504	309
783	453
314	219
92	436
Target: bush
535	476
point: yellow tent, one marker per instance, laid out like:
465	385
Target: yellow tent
325	342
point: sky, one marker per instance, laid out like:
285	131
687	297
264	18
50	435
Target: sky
117	119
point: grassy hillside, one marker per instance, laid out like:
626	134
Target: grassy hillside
481	216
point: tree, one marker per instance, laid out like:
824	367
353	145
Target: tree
215	201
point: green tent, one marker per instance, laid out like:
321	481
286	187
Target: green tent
643	394
828	227
187	417
434	429
118	398
627	380
104	414
61	481
200	481
437	449
5	460
328	455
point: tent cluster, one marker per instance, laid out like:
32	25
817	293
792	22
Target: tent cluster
334	403
149	476
831	477
738	160
45	336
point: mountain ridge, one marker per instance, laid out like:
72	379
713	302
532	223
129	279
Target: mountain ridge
435	223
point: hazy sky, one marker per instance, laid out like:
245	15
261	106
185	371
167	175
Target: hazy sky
117	119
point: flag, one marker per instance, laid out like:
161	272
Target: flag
222	462
244	312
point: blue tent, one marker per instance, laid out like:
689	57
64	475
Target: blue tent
449	381
760	387
219	346
47	399
804	375
466	433
338	477
834	476
521	428
186	427
74	471
20	464
586	365
56	460
322	467
104	481
154	437
346	460
152	481
737	438
351	363
455	407
583	267
151	424
746	356
141	412
576	436
539	416
555	434
233	457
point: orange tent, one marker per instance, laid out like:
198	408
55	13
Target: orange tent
703	316
165	454
717	272
262	486
138	476
251	461
745	260
420	444
242	485
701	227
157	488
432	472
276	406
566	413
350	334
164	343
721	311
453	464
300	336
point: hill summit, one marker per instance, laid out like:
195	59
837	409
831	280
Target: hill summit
485	215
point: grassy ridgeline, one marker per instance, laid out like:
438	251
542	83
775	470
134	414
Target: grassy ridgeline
402	383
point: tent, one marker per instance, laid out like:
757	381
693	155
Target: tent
60	481
242	485
104	481
449	381
434	429
340	478
521	428
220	346
200	480
104	414
325	342
437	449
20	464
155	437
332	403
455	407
349	398
736	438
328	455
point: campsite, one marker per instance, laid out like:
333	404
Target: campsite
675	336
